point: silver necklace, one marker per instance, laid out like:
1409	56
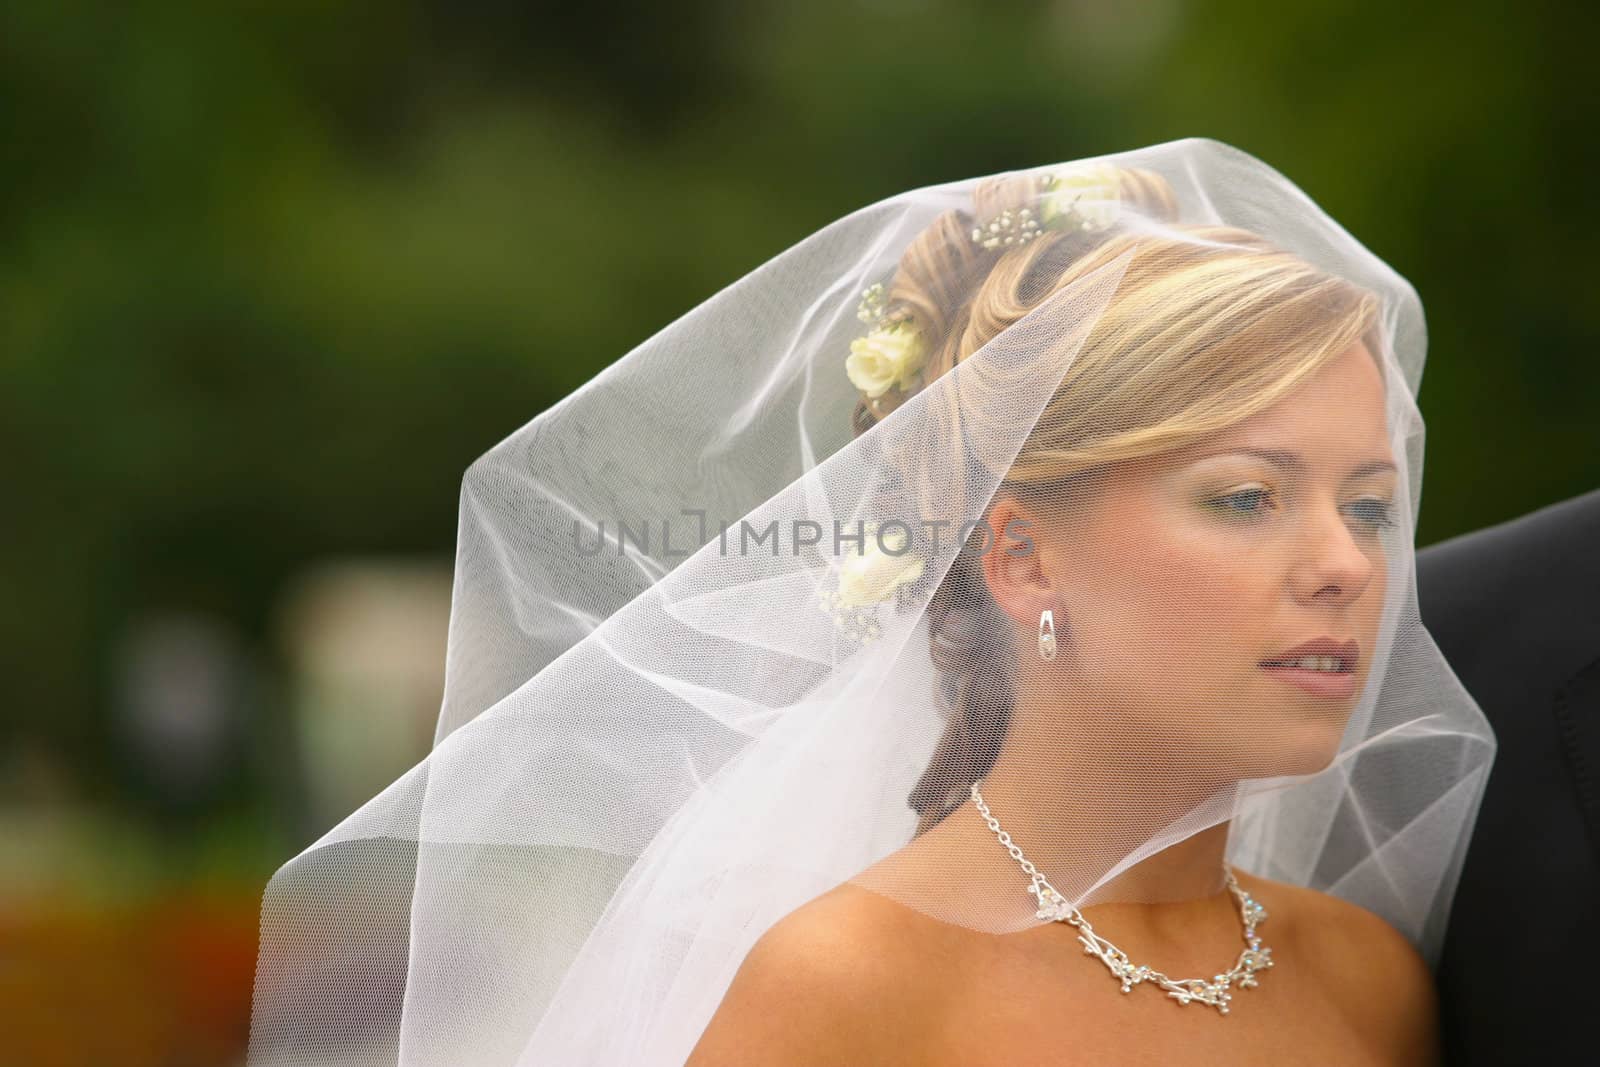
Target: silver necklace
1053	907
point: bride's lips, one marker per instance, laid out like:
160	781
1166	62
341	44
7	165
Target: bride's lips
1336	683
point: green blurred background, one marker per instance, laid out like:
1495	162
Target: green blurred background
272	275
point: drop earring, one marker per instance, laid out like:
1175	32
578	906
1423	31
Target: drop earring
1047	635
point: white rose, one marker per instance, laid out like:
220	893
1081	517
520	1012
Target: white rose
1091	193
872	574
888	356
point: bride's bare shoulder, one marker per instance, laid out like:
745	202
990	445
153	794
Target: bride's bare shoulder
817	986
1368	967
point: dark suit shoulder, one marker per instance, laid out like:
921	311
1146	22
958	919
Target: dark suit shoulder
1533	580
1567	532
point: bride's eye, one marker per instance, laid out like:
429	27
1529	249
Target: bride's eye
1374	512
1253	500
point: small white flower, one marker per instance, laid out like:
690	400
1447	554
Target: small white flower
873	574
1085	197
887	356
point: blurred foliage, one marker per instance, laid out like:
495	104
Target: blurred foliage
272	275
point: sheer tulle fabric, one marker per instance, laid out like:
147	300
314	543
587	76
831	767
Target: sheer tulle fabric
662	731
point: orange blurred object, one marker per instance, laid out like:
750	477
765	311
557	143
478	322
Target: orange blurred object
165	981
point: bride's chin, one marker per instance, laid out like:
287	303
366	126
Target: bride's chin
1311	750
1291	741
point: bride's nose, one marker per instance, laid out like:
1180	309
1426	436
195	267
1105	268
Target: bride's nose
1331	562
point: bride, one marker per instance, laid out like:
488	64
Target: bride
1057	693
1182	560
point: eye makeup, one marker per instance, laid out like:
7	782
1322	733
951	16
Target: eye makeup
1378	513
1254	499
1244	502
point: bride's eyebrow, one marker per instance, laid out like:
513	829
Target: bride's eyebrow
1291	460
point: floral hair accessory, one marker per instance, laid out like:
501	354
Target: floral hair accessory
870	309
1086	198
890	356
892	352
867	578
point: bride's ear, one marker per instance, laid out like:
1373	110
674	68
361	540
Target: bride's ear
1013	566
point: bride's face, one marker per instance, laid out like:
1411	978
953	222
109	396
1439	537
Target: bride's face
1188	574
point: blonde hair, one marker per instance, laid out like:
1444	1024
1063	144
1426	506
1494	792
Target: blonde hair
1208	325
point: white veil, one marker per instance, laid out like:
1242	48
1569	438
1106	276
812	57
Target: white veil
677	707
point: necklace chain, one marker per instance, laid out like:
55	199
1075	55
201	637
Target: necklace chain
1054	907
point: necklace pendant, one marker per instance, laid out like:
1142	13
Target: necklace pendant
1215	992
1053	907
1132	976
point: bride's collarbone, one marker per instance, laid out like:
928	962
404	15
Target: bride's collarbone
1345	988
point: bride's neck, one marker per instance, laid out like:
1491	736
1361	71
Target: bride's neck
960	872
1075	828
1072	807
1072	803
